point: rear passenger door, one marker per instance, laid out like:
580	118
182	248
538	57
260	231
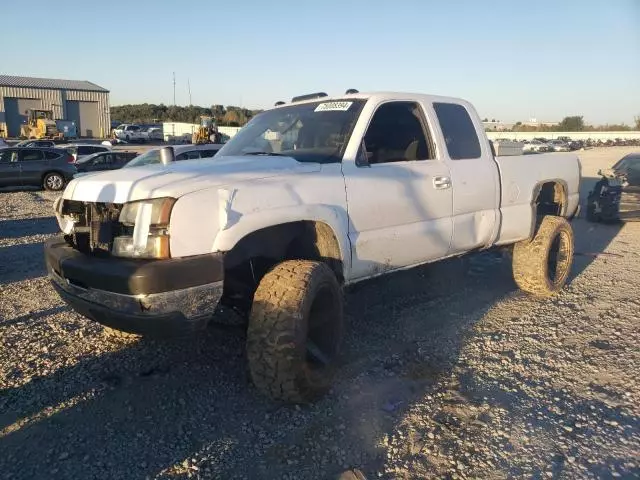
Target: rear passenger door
474	178
32	166
101	162
9	167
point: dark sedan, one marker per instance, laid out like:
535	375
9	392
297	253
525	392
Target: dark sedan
99	162
616	196
50	168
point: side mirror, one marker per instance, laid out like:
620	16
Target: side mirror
167	155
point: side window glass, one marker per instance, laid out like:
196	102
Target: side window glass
397	134
51	155
208	153
188	155
31	155
7	156
459	133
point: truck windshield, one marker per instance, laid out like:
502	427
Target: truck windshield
315	132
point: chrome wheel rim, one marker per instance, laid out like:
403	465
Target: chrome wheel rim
54	182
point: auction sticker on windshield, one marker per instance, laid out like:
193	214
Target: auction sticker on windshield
333	107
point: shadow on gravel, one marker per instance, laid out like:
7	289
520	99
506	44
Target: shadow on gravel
152	405
22	261
28	226
32	317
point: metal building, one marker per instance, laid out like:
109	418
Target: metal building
83	102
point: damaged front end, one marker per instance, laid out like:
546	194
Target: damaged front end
137	229
112	265
89	227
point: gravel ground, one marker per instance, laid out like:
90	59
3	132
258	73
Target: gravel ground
448	372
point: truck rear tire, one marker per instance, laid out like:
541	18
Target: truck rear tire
295	330
541	266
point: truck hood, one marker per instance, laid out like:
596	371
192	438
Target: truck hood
179	178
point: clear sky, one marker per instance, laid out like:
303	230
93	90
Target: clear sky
513	59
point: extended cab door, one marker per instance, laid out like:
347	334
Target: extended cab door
399	194
474	177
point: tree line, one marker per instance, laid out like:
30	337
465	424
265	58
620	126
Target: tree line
575	123
231	116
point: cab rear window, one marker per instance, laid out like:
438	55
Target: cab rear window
458	130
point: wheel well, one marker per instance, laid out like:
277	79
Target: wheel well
47	172
551	199
255	254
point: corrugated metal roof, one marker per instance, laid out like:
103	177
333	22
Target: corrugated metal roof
31	82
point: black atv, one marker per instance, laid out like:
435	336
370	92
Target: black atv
614	198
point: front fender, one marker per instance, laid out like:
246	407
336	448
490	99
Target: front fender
335	217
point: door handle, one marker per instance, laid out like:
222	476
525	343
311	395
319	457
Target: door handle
441	183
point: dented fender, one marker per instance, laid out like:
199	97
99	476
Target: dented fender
246	224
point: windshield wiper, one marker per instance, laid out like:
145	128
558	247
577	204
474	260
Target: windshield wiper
270	154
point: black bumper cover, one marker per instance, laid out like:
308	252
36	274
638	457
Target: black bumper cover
74	273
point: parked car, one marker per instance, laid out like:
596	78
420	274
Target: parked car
3	144
576	145
180	152
616	196
80	150
536	146
102	161
155	134
559	146
130	133
36	143
366	189
50	168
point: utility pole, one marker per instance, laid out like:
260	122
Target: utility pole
189	87
174	89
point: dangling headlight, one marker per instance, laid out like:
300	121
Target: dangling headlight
148	224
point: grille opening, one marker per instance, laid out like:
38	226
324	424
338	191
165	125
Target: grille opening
96	225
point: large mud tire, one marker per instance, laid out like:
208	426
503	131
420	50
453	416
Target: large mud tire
295	330
541	266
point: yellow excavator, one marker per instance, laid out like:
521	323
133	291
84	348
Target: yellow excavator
40	124
207	132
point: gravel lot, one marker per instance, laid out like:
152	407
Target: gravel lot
448	372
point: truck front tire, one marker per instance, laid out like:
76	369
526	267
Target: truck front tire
294	332
541	266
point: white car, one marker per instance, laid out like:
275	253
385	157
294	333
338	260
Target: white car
559	146
80	150
368	184
537	146
130	133
155	134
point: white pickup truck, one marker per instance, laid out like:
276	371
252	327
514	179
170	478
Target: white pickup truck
308	197
130	133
